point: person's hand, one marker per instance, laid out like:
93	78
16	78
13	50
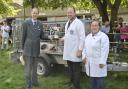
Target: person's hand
51	37
79	53
56	37
85	60
101	65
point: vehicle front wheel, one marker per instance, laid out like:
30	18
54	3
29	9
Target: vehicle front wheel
42	67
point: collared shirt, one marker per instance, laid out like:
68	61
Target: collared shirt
69	22
93	34
34	21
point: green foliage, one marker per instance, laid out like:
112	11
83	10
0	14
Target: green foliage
84	4
80	4
6	9
3	6
124	3
48	4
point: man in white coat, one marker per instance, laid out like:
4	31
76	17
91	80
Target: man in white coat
73	46
95	55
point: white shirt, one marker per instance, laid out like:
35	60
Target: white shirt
4	33
96	51
73	40
33	21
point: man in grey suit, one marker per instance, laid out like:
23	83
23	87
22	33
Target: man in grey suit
32	33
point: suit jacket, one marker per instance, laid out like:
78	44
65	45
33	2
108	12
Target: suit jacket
31	38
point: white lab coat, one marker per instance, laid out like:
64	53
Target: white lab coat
96	51
73	40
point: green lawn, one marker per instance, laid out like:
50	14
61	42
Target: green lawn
12	77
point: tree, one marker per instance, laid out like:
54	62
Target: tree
102	5
102	8
6	9
48	4
84	4
124	3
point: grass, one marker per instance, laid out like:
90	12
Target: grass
12	77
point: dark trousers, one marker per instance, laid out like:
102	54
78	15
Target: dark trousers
30	70
96	82
75	72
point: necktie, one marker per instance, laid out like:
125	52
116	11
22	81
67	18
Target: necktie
69	24
34	23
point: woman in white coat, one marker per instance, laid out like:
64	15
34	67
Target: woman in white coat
95	55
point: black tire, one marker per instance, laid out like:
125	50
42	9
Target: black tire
43	68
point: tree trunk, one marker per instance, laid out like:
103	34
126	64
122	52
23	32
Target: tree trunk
114	11
113	18
102	8
33	3
104	11
104	14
